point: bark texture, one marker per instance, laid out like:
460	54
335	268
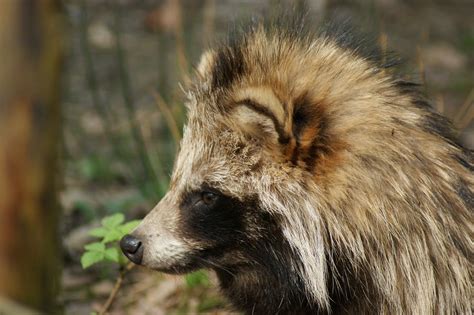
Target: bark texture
30	61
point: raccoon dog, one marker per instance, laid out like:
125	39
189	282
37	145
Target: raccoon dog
312	180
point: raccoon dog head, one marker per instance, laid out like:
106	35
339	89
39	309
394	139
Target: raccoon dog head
258	146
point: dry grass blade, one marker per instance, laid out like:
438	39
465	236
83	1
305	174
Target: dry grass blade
169	118
383	42
466	113
209	20
421	65
440	106
180	46
181	55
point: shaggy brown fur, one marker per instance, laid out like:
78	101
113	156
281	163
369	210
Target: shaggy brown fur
313	180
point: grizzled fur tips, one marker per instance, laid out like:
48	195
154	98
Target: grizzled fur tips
312	180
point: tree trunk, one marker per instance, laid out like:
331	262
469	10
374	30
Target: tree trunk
30	62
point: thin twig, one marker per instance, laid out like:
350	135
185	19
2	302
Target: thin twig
117	286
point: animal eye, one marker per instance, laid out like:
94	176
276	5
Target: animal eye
208	197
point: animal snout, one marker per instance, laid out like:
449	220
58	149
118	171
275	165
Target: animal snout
132	247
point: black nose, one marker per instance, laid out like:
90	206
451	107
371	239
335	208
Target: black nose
132	248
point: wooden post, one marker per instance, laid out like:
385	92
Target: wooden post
30	61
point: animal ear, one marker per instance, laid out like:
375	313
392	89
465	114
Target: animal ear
259	113
296	129
204	67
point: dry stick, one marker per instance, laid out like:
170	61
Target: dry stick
117	286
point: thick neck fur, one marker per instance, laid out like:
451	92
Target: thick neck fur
374	193
268	283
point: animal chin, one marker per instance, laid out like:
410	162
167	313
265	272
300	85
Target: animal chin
178	268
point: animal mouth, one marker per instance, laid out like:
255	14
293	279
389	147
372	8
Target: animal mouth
192	262
180	267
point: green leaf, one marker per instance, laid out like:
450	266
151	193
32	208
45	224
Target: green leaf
123	260
98	232
112	254
113	220
90	258
198	278
95	247
129	226
113	235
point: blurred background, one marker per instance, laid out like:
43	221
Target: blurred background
118	84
